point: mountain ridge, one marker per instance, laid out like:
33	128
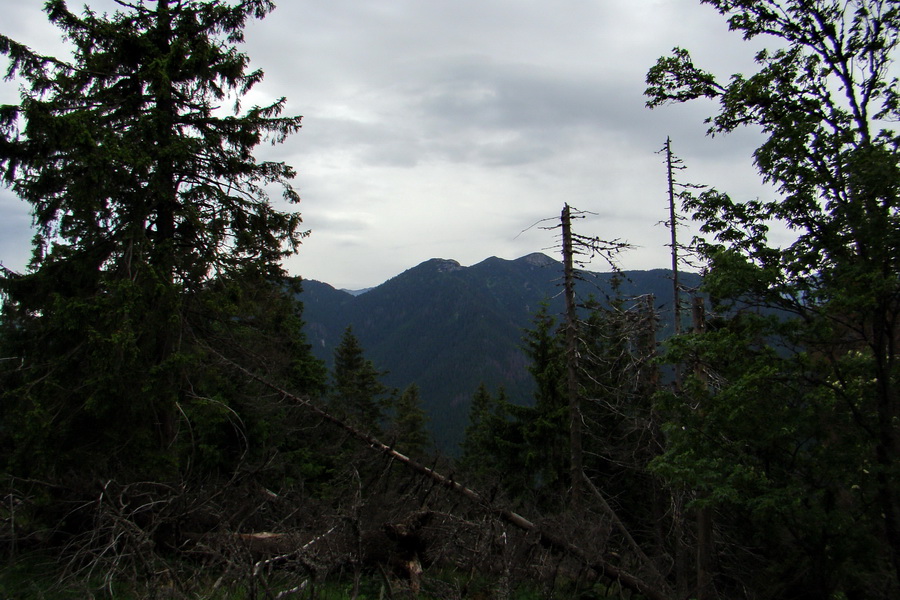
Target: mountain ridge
449	328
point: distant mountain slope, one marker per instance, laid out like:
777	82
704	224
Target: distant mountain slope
449	328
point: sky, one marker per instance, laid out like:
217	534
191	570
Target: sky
456	128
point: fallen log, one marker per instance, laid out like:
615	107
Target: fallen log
602	566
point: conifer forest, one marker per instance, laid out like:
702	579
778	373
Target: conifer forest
166	430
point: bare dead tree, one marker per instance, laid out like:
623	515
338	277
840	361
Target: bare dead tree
678	191
604	564
576	450
575	246
673	230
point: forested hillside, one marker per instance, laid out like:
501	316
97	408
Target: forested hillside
449	328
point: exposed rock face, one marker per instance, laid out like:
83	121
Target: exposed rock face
538	259
444	265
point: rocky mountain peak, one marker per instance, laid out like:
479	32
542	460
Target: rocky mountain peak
538	259
444	265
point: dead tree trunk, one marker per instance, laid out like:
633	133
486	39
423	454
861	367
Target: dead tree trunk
603	565
576	462
673	230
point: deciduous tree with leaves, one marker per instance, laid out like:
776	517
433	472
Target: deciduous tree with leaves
821	378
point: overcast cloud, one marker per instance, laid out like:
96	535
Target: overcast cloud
444	128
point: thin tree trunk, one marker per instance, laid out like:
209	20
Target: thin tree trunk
163	206
705	587
681	548
683	557
673	230
575	418
888	447
673	244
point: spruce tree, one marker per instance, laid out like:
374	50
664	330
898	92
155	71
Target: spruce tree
357	393
410	423
493	447
478	453
545	426
150	211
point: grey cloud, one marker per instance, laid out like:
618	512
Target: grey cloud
487	112
473	109
343	222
